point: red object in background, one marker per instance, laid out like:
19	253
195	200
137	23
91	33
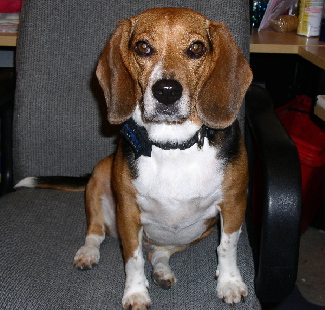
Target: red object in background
10	6
308	133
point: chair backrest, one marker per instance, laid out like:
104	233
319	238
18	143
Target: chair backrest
60	125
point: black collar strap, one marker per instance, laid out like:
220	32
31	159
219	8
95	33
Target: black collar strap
137	137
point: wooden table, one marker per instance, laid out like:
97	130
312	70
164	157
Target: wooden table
314	54
311	49
268	41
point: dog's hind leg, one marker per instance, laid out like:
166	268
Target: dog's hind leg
101	218
162	273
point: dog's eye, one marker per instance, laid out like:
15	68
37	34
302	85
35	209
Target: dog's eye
143	49
196	50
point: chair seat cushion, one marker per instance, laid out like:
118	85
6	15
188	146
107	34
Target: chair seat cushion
40	232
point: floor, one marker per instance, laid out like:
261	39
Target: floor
311	272
309	293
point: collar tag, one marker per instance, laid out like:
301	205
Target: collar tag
201	134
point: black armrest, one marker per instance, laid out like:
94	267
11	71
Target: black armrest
6	109
281	203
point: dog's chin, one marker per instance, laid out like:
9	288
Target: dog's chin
165	118
164	127
165	114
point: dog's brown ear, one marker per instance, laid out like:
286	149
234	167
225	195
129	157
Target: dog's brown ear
114	77
227	81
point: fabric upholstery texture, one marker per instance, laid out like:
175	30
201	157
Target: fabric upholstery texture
60	129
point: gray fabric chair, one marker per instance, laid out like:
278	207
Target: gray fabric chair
60	129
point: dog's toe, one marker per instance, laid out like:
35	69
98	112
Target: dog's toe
86	258
232	291
137	301
82	266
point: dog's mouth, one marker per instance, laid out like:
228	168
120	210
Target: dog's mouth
161	113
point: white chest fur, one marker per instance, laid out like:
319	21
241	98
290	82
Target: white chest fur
178	190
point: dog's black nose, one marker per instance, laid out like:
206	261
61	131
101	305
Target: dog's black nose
167	91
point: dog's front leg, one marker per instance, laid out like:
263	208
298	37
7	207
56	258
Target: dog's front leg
230	286
136	296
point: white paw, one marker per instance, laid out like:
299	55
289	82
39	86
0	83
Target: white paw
86	257
231	289
136	300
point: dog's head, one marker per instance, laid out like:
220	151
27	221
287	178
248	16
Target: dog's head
176	65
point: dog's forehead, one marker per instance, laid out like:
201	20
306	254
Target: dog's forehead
159	19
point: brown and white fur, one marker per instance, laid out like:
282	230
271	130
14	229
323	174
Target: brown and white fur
171	199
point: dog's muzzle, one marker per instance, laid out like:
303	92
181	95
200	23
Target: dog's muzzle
167	91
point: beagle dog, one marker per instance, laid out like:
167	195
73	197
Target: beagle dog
176	81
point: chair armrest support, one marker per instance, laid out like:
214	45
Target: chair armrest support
281	203
6	109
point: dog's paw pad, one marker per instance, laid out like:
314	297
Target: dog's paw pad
232	291
137	301
86	258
